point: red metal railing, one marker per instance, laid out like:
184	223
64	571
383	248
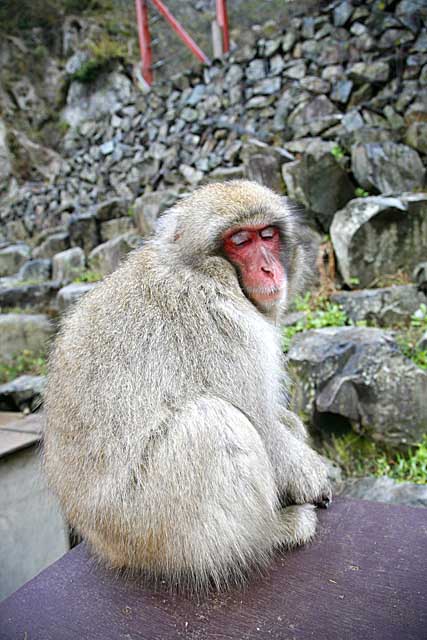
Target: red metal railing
145	36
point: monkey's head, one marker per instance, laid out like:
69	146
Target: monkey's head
256	231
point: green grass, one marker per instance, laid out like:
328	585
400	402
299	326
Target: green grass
337	152
358	456
26	362
361	193
88	276
409	338
320	313
103	54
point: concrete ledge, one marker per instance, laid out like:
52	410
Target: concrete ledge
363	578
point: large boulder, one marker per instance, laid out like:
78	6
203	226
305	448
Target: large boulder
107	256
52	244
67	265
90	101
118	227
84	231
21	332
377	236
386	489
390	305
35	271
318	182
5	159
35	297
149	207
69	295
359	375
22	394
387	167
12	258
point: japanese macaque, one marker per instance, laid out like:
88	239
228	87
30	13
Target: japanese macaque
168	438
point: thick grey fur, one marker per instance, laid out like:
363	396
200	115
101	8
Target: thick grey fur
168	440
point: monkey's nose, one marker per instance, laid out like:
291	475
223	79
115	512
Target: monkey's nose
268	271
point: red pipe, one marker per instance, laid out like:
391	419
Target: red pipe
144	40
222	17
185	37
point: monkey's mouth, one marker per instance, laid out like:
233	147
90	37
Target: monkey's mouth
265	294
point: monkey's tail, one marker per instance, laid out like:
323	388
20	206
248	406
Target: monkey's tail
297	525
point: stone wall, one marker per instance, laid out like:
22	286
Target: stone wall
332	106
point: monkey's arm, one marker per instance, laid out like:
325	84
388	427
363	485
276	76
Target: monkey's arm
301	475
290	420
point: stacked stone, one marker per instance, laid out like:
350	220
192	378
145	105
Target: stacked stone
340	96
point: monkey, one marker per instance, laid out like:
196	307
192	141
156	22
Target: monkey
168	438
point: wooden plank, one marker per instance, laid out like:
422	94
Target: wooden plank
18	432
363	578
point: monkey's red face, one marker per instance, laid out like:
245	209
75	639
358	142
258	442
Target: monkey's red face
255	251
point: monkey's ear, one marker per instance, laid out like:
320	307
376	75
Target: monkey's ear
167	226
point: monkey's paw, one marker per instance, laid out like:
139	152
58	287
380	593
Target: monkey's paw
309	483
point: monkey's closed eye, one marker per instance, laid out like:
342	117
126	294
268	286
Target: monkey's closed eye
239	238
268	232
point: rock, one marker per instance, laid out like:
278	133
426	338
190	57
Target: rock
149	207
118	227
422	343
387	167
37	297
107	147
90	101
391	305
67	265
20	332
378	71
221	174
35	271
32	161
376	236
53	244
68	295
22	394
5	159
341	91
83	231
318	182
314	116
386	489
193	176
13	257
107	256
342	13
76	62
419	276
112	208
360	375
265	169
256	70
416	136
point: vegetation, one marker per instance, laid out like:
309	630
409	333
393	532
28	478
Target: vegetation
26	362
88	276
103	54
408	339
319	312
358	456
337	152
360	193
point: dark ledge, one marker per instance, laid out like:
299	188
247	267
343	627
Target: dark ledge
364	578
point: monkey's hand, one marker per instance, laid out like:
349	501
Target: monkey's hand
307	479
